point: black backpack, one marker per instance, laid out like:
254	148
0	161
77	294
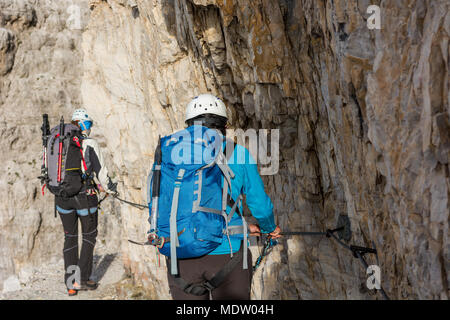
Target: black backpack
64	157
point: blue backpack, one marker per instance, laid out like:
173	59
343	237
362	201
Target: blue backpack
189	218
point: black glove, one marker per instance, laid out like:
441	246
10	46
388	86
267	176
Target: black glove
112	186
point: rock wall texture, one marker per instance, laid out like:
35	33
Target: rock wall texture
363	118
40	72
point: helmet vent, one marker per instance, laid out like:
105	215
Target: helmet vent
204	104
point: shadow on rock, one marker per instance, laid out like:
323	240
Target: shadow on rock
101	267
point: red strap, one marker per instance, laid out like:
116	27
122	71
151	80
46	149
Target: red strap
77	141
43	187
59	158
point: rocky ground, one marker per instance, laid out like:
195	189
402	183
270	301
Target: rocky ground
46	281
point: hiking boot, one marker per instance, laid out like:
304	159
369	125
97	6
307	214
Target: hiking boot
76	286
88	285
72	292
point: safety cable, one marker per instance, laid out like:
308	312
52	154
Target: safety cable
269	243
133	204
358	252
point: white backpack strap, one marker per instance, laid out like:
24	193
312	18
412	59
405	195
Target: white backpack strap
174	243
154	212
234	230
198	192
196	204
244	225
149	186
172	139
234	207
228	174
224	211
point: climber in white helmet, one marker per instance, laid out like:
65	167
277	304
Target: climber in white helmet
209	111
206	107
83	207
92	152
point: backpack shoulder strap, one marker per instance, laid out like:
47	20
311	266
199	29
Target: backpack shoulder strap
78	142
173	222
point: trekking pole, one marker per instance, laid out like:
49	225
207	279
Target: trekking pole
45	134
155	189
61	137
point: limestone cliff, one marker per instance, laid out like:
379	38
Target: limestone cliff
363	118
40	72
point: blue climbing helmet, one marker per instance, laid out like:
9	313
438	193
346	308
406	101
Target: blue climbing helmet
84	121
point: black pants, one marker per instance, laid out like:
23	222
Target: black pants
71	210
235	287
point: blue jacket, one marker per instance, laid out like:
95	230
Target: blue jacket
247	181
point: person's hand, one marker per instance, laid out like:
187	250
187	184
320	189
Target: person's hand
275	234
100	188
112	186
254	230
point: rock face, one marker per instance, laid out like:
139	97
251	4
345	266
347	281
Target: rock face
363	117
40	72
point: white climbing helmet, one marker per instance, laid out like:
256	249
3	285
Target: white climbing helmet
203	104
80	115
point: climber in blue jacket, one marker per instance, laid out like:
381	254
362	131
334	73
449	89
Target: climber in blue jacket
209	111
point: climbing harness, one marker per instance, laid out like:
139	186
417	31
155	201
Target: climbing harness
344	232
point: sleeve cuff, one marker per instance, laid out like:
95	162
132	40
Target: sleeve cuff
267	225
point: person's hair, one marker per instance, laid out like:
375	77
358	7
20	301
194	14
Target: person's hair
211	121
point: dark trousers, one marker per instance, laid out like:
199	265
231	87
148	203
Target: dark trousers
235	287
72	257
